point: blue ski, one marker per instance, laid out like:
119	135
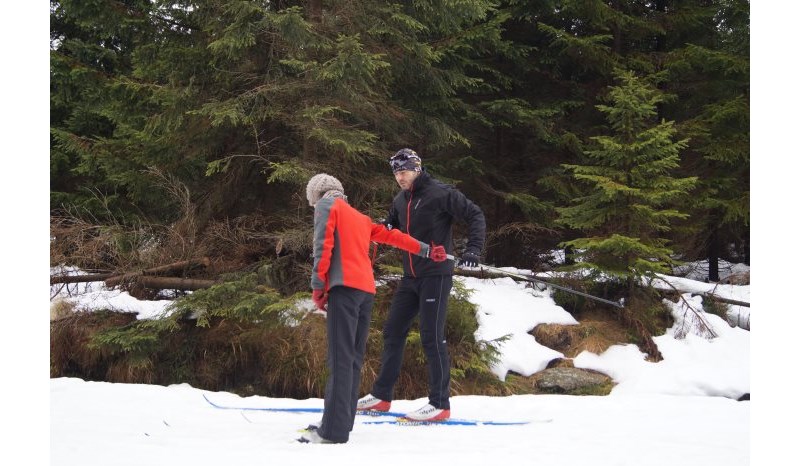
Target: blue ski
298	410
399	418
455	422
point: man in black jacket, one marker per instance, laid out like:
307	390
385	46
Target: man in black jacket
424	209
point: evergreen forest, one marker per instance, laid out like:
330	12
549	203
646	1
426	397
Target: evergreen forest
616	131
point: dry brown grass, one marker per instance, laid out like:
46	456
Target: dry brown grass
240	241
231	245
597	331
70	354
227	355
255	358
243	357
61	308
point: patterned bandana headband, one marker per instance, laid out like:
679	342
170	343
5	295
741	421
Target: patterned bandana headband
405	159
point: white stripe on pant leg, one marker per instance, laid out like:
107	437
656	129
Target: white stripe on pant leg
435	332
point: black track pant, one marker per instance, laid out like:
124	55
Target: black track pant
349	312
427	297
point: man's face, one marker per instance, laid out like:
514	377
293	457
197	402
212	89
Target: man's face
405	178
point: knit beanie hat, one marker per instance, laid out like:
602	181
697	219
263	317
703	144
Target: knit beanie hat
405	159
320	184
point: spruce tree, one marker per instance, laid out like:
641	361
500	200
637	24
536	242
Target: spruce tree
228	95
242	100
631	193
91	45
541	118
707	69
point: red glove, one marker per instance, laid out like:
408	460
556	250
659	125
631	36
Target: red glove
320	298
437	253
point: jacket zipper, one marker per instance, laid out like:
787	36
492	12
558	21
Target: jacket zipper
408	229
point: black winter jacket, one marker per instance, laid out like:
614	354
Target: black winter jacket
426	212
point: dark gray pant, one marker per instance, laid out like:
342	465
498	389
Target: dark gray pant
349	311
426	296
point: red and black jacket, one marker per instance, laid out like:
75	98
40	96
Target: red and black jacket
427	212
342	237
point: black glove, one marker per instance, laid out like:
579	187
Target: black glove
469	259
385	223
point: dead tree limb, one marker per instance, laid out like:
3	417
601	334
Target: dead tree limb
711	295
160	283
115	279
94	277
699	317
706	294
178	266
694	311
174	283
726	300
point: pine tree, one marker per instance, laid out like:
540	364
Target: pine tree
228	95
242	100
631	192
707	66
92	43
569	50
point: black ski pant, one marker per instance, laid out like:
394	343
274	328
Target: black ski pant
349	312
426	296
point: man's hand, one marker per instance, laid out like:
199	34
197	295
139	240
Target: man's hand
320	298
469	259
437	253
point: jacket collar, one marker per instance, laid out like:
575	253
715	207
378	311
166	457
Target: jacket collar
421	181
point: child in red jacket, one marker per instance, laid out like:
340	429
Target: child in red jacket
343	285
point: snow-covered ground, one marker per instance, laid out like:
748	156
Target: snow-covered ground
117	424
682	410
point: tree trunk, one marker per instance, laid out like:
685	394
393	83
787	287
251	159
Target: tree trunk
116	279
94	277
178	266
713	257
160	283
175	283
315	10
569	255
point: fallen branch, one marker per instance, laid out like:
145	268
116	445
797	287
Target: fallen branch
115	279
705	294
178	266
711	295
149	281
94	277
175	283
697	314
159	283
689	306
